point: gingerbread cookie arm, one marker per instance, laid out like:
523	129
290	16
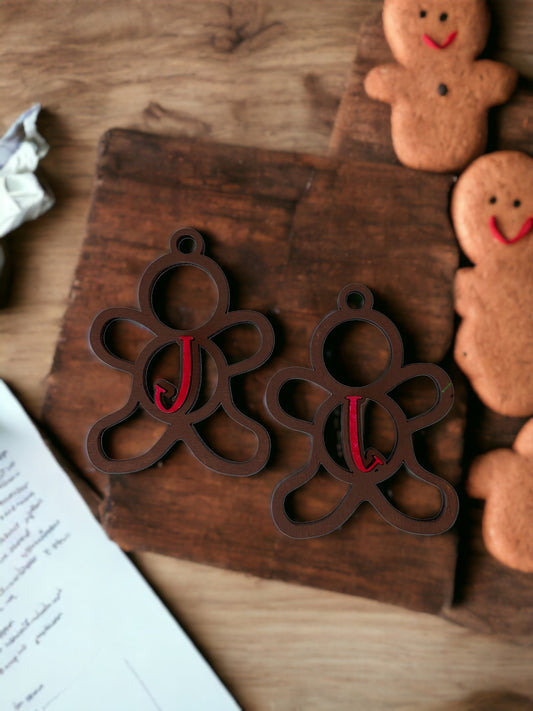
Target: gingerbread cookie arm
384	83
464	289
498	81
523	444
485	471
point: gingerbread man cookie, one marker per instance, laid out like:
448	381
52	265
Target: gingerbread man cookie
439	93
492	213
504	478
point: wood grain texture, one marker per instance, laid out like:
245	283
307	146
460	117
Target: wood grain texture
366	654
201	69
291	230
152	65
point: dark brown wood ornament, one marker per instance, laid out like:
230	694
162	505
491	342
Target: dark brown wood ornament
361	469
180	408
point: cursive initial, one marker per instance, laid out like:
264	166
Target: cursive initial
186	378
355	432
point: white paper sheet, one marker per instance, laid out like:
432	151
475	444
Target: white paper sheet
80	629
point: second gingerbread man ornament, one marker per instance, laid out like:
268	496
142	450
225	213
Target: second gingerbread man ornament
362	469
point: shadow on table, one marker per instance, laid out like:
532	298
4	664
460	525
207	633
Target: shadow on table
492	701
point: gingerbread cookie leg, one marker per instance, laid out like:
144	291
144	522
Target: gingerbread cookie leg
504	478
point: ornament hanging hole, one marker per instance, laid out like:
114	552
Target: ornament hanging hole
355	300
187	244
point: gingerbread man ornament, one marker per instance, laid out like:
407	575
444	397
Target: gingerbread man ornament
439	93
362	468
492	214
178	403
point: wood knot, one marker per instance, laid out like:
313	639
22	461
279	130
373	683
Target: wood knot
243	26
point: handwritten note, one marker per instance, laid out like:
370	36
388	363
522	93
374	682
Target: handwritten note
79	627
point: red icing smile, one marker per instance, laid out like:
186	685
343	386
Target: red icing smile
524	230
435	45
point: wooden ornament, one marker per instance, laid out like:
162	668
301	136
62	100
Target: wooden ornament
266	224
360	468
178	405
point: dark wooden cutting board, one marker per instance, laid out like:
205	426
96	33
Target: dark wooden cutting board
290	231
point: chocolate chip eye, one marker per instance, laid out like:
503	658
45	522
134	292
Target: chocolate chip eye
493	200
516	203
423	13
442	89
443	17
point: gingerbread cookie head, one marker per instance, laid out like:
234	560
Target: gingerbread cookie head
422	31
492	208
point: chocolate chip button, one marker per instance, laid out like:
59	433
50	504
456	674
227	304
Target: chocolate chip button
443	89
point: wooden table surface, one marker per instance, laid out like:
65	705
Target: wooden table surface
267	74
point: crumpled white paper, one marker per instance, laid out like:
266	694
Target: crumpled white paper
22	197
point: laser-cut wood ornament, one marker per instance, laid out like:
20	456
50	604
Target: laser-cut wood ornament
365	468
178	406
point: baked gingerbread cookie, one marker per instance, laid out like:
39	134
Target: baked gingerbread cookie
492	214
439	94
504	478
